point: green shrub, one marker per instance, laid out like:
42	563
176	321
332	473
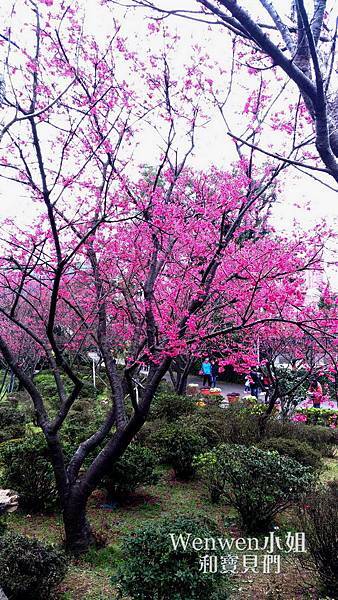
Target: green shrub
45	382
147	434
333	488
83	420
82	410
300	451
242	425
12	432
12	423
177	447
322	439
153	570
253	407
10	416
27	470
135	468
88	390
3	524
258	484
23	402
28	569
319	521
169	406
293	385
209	423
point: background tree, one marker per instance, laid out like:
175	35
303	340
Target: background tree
304	355
297	39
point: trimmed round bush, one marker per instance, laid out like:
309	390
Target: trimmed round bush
178	446
12	423
170	406
322	439
12	432
153	569
242	424
145	437
258	484
135	468
25	468
10	416
45	382
300	451
209	423
28	569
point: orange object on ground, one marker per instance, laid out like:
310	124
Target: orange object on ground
232	398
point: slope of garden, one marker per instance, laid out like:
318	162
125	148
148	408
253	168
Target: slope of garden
193	468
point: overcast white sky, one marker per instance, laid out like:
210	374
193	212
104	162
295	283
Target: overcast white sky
212	144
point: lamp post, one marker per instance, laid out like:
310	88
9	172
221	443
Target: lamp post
95	361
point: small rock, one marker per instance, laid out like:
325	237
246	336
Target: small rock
8	501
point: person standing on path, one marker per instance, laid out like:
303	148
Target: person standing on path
255	383
247	388
316	393
214	372
206	372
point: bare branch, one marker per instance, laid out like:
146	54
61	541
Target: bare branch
282	28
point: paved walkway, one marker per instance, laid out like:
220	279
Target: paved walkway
227	388
325	404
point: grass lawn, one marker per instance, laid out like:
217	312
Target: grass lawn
331	469
89	577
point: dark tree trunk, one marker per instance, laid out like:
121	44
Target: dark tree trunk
173	379
183	365
182	386
262	425
78	533
264	418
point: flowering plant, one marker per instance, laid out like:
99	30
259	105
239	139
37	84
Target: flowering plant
321	416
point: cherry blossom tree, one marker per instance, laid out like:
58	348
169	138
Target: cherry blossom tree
165	279
306	353
147	263
296	39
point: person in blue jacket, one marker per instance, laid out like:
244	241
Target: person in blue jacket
206	372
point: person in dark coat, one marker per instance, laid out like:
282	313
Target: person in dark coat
255	383
214	372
